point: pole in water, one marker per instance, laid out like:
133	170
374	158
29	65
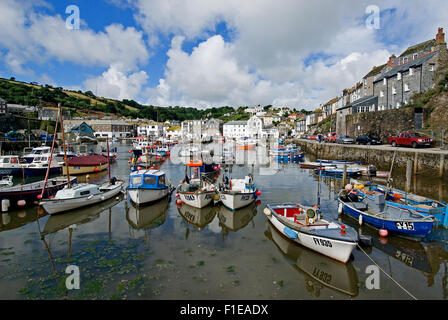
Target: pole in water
409	175
344	176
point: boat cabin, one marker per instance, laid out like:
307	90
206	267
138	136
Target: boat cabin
6	161
79	190
150	179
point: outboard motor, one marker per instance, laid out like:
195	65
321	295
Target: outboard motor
113	180
371	171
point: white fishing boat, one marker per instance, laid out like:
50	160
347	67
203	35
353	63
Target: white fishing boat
305	226
81	195
40	164
37	152
197	192
11	166
146	186
238	193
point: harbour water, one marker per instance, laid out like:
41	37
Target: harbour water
165	252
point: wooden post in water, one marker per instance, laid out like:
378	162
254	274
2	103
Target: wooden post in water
344	176
442	164
409	175
416	163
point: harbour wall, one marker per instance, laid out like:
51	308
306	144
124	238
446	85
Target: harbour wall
430	162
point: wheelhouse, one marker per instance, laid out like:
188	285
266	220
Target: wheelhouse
151	179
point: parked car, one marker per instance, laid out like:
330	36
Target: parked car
345	140
313	137
367	139
332	137
410	139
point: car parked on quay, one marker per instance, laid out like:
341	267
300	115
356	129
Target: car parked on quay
345	140
368	140
410	139
332	137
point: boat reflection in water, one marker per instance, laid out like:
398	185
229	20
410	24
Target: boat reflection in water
81	216
148	216
16	219
234	220
199	218
320	271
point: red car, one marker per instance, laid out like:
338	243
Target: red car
332	137
313	137
410	139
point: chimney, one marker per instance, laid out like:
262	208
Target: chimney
440	37
391	60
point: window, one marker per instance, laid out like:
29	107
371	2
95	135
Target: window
415	55
84	193
399	76
136	180
411	71
406	87
161	180
431	67
150	180
394	90
405	60
381	93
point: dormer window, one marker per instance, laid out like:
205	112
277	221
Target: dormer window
405	60
415	55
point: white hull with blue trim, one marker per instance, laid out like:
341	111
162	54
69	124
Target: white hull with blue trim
147	186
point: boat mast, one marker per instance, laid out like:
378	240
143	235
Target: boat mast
65	149
108	158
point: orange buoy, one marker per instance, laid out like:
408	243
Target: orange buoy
258	193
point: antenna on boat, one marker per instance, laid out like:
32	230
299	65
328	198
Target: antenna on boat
69	185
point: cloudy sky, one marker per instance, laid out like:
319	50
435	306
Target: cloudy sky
204	53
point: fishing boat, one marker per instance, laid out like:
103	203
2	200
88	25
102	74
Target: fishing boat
314	165
196	191
305	226
146	186
377	213
40	164
238	193
245	144
404	200
26	195
81	195
139	147
86	164
338	162
334	171
11	166
36	152
318	270
112	153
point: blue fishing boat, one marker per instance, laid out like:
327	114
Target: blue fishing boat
334	171
377	213
401	199
147	186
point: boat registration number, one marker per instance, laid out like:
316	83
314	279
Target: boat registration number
189	197
321	242
405	225
245	197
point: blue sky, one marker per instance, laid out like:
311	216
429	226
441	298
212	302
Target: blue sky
286	53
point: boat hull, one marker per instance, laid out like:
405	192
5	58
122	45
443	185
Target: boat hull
141	196
419	229
33	172
74	170
237	200
10	171
335	249
197	200
55	206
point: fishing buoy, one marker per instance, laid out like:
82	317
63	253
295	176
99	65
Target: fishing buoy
39	196
130	151
176	195
383	233
360	220
340	208
258	202
5	205
258	193
157	157
21	203
96	170
139	168
139	159
179	201
267	212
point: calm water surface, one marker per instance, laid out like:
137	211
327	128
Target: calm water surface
165	252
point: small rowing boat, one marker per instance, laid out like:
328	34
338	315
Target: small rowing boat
305	226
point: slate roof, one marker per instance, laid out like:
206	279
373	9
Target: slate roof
407	66
236	123
417	48
375	71
369	100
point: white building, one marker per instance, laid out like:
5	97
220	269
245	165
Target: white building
235	129
254	127
151	130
